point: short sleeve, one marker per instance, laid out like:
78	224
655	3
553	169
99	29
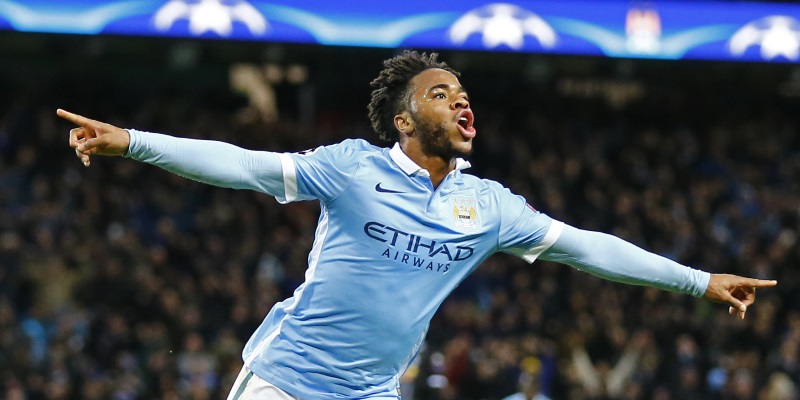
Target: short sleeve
525	231
322	173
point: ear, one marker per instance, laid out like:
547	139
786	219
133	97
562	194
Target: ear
404	123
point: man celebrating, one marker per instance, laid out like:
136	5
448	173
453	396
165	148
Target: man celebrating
399	229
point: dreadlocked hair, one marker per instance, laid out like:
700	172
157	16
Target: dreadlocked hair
391	89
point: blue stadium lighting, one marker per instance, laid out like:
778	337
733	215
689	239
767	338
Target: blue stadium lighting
764	32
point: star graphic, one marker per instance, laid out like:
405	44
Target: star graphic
210	16
505	24
777	36
503	28
780	40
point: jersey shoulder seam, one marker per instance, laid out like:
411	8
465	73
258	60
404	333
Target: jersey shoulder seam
361	157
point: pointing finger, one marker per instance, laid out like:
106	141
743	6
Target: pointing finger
759	283
75	118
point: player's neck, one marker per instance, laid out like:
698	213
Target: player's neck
436	166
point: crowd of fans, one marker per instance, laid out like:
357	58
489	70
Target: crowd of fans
122	281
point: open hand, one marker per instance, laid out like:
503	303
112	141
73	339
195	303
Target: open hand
95	137
739	292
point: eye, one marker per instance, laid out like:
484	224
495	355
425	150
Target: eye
439	96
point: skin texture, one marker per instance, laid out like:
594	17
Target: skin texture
429	132
429	135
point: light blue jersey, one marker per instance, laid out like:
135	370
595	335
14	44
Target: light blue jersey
389	248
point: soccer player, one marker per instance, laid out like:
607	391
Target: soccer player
399	229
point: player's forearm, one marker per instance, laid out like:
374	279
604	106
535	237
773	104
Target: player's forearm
612	258
211	162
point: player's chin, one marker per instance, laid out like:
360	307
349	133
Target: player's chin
463	147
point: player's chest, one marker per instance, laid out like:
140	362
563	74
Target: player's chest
452	208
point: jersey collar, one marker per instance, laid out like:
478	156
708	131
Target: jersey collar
410	167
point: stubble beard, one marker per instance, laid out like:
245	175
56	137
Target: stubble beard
434	141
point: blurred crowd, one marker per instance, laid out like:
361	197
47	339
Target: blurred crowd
122	281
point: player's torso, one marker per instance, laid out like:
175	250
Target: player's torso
388	250
394	247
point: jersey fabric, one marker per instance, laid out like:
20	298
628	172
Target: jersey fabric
389	248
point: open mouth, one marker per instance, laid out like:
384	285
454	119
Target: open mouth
465	121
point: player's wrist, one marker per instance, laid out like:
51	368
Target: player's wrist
131	136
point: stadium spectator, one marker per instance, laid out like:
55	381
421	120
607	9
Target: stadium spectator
681	189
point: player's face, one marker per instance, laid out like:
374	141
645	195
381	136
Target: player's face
442	115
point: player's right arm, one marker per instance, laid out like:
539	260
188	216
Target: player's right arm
211	162
530	234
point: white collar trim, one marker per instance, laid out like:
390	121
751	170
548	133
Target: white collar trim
410	167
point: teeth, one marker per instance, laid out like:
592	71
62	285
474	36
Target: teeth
462	119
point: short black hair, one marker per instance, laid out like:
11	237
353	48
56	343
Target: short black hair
391	89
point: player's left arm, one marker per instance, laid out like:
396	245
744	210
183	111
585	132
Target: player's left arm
612	258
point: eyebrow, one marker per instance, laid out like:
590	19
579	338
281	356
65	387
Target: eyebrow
446	86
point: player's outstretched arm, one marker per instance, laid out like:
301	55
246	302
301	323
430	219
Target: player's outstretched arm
612	258
212	162
95	137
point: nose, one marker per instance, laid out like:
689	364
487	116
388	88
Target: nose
460	103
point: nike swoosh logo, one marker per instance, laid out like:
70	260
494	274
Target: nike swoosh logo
384	190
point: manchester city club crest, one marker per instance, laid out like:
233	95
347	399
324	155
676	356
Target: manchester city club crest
465	212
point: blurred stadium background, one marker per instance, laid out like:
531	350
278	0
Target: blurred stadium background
122	281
